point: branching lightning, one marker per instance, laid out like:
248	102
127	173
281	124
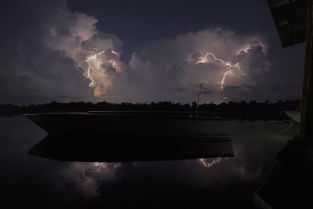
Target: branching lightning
95	70
98	62
233	70
93	60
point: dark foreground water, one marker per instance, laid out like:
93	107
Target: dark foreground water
28	181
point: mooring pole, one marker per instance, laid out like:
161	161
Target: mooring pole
306	130
196	112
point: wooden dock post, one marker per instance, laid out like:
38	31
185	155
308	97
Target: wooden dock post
307	96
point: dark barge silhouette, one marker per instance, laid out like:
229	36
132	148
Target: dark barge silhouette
136	124
115	136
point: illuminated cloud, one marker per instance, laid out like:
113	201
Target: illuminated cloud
208	56
94	53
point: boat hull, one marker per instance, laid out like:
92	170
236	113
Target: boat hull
130	124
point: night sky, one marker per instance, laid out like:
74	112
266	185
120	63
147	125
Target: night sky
143	51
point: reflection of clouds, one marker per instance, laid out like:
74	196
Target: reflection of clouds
103	167
237	169
181	182
254	150
209	162
88	176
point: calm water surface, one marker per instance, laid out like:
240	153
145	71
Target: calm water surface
33	182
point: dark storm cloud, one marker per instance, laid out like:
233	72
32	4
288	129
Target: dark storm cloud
29	71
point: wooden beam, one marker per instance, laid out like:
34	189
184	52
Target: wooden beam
307	96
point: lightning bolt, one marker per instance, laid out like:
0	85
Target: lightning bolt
234	70
94	71
93	59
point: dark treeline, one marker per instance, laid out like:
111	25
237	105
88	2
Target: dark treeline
240	110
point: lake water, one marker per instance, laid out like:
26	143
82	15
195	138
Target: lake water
32	182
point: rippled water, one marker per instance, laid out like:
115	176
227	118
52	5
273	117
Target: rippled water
30	181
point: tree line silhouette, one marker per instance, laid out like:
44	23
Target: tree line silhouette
242	110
